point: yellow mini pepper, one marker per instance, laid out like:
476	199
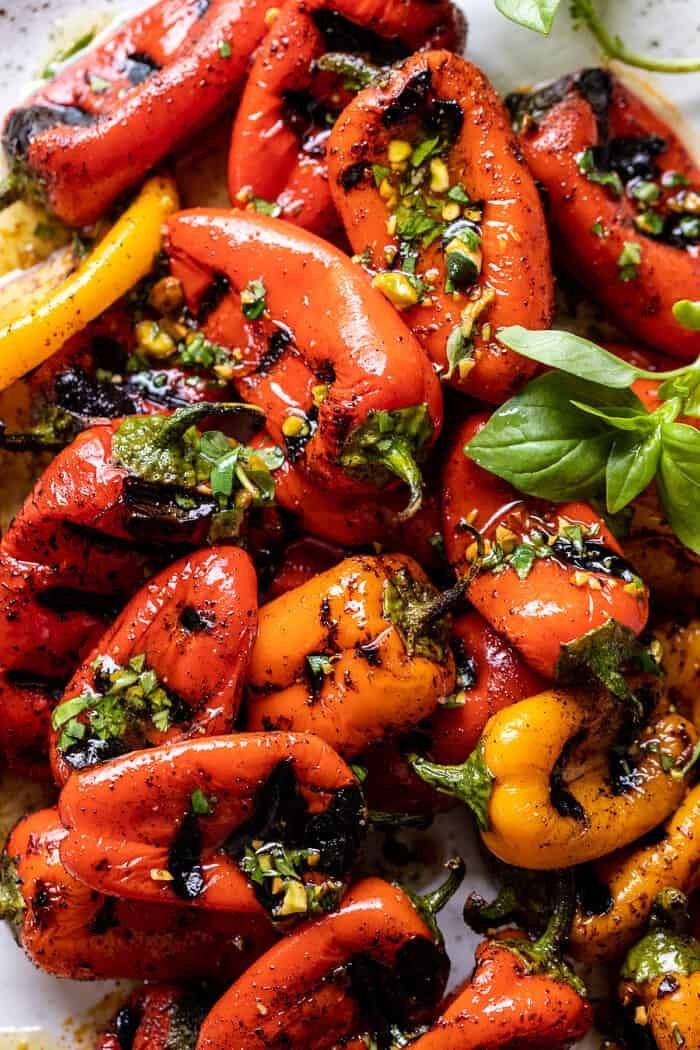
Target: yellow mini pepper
119	260
509	782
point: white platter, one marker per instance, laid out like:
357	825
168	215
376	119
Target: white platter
34	1007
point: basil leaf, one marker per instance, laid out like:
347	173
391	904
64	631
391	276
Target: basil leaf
634	418
222	473
631	467
537	443
532	14
572	354
678	481
687	313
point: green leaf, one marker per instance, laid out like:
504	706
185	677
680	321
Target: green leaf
543	447
379	173
224	49
201	805
603	653
459	194
532	14
253	300
69	709
679	481
628	261
631	467
687	313
458	348
423	150
570	353
223	473
634	419
609	179
264	207
522	559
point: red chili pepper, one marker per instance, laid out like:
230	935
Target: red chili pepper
156	1017
375	966
407	173
341	380
560	572
622	198
250	824
171	666
159	78
68	930
315	56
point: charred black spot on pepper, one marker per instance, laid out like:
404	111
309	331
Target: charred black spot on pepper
295	445
593	557
156	512
126	1025
370	653
465	665
340	34
196	620
158	386
69	599
593	895
667	986
218	289
276	345
104	918
185	859
91	751
410	99
596	86
25	123
563	801
81	394
353	175
202	7
444	117
138	67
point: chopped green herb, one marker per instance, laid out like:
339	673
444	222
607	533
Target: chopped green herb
459	194
610	179
379	173
201	805
598	229
458	349
253	300
98	84
673	179
628	261
264	207
59	57
224	49
650	222
425	149
320	664
645	191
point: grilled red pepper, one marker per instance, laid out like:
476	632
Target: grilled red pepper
69	930
623	200
353	522
341	380
548	573
315	56
159	78
26	702
158	1017
372	969
252	824
301	560
521	995
86	537
458	244
355	654
172	666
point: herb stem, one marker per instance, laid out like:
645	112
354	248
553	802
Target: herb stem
613	46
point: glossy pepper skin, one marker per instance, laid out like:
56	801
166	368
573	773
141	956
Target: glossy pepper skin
592	110
158	1017
26	702
69	930
167	73
375	963
170	825
87	537
627	882
288	103
353	522
512	1002
562	597
661	974
194	624
324	334
338	657
540	784
437	93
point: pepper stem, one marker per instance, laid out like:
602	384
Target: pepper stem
428	905
417	615
545	955
470	783
12	903
184	418
398	458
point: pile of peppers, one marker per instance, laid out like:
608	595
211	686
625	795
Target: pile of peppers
260	608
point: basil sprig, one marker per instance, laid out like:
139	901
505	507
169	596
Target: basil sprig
565	437
540	14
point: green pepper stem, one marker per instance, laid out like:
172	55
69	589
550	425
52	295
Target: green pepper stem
419	615
184	418
397	457
481	915
615	48
470	782
429	904
12	903
549	947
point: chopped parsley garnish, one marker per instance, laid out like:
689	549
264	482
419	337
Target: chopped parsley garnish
610	179
280	872
125	701
253	300
224	49
264	207
628	261
201	805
